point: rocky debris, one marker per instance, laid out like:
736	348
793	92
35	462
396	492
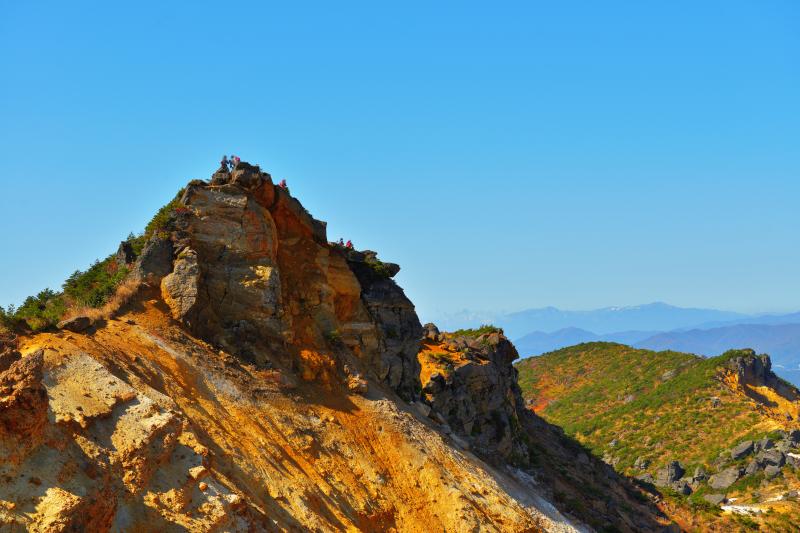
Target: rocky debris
715	401
475	390
715	499
125	254
670	473
681	487
771	471
641	463
741	450
75	324
400	330
763	444
771	457
725	478
752	467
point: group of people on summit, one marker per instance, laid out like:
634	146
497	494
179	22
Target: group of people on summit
229	163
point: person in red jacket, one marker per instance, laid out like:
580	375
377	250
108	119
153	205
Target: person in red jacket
349	245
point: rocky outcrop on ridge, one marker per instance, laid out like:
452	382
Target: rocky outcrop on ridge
470	388
247	268
469	382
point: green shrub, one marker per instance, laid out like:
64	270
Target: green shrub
477	332
94	286
42	311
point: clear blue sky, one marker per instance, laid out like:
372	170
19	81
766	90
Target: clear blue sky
506	154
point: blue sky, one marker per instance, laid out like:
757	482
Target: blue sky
506	154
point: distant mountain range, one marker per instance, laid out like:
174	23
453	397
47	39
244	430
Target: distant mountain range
656	326
652	317
780	341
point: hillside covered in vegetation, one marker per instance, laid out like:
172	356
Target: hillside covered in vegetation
711	433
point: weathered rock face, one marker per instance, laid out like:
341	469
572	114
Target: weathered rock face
81	450
471	383
394	315
23	405
253	273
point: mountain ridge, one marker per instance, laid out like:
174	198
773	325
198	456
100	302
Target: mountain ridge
253	376
680	424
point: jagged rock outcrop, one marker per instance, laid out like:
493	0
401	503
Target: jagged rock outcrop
251	271
395	317
470	382
756	371
84	451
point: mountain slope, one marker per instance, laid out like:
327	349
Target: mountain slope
255	377
640	410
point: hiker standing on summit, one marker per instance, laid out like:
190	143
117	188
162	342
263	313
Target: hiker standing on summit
224	163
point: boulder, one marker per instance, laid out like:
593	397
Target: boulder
725	478
180	288
752	467
771	457
430	332
669	474
742	449
771	471
221	176
641	463
764	444
700	474
246	175
76	324
714	499
681	487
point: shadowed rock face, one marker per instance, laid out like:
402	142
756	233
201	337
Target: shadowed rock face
253	273
394	315
472	384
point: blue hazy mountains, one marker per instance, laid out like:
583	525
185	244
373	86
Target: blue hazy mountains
648	318
656	326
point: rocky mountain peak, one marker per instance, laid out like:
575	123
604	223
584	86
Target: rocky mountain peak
248	268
